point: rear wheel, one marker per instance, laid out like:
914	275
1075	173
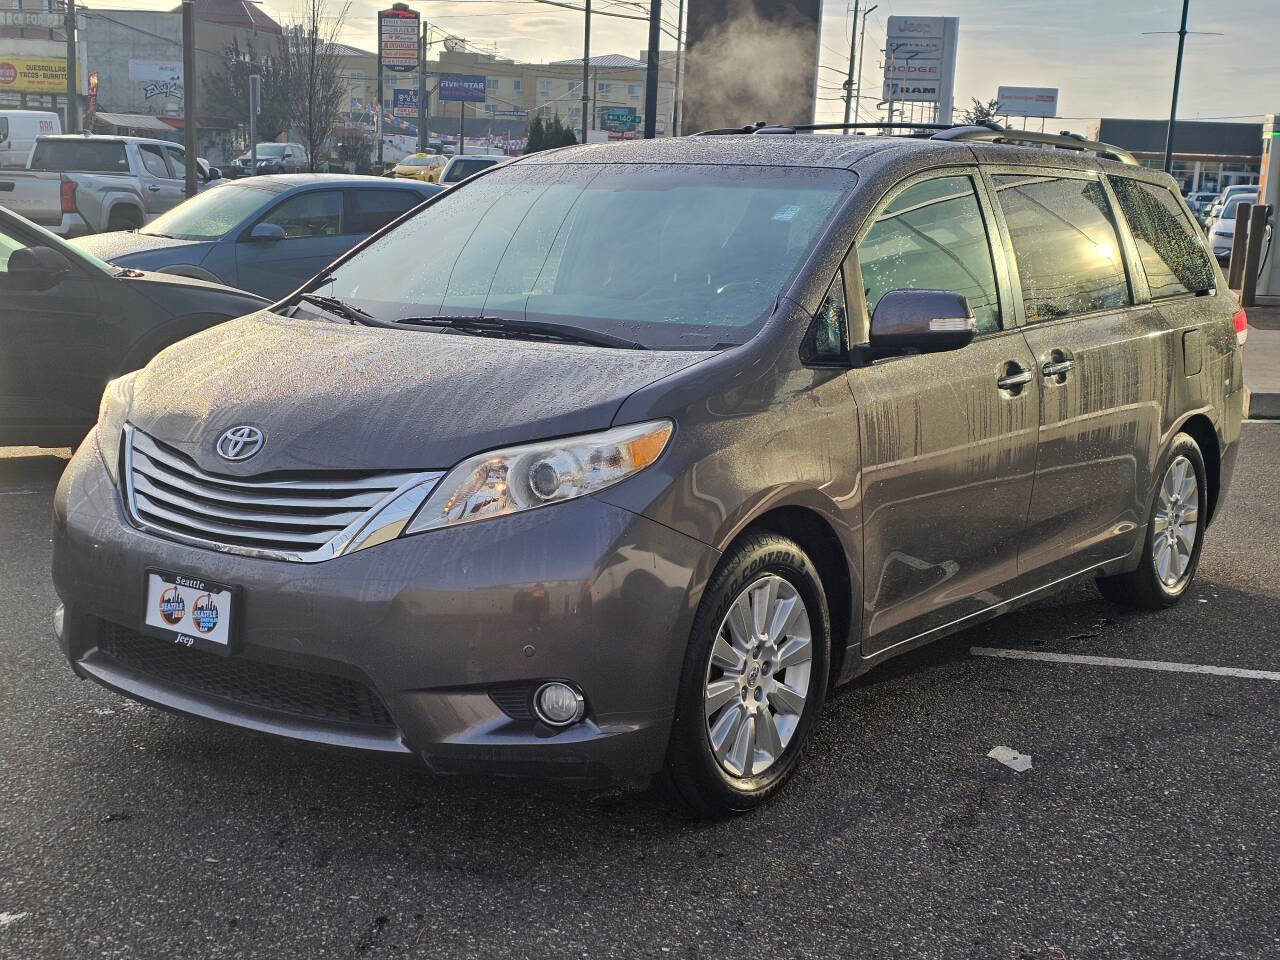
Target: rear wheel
754	679
1175	533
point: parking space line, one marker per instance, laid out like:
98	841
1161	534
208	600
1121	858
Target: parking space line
1123	662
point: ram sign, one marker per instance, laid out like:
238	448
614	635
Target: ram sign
1027	102
920	61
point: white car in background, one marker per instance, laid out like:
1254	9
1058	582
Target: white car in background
1223	230
467	165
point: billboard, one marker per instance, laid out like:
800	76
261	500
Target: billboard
462	88
404	103
1027	101
398	38
33	74
920	61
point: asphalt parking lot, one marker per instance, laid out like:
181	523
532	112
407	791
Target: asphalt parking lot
1145	827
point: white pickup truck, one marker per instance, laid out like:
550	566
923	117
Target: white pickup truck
87	184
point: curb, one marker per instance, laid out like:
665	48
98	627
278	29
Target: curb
1262	406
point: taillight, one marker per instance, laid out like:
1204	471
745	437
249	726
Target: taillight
1241	323
68	195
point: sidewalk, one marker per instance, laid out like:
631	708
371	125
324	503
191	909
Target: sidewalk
1262	363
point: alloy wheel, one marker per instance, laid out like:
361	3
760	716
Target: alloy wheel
1176	522
757	680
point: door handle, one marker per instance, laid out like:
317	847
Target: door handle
1057	368
1014	379
154	188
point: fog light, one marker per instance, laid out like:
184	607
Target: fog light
558	704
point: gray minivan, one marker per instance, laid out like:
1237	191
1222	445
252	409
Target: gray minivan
613	460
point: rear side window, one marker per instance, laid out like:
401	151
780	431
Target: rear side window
4	129
153	160
373	209
1068	254
92	156
932	237
1172	256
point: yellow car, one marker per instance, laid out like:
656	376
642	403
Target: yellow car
426	167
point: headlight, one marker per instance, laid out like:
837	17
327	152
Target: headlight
507	481
112	413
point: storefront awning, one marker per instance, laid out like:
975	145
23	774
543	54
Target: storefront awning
137	121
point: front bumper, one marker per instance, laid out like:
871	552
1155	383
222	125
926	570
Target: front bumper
445	628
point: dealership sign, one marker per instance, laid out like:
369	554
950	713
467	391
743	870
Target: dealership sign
1027	101
920	61
462	88
398	38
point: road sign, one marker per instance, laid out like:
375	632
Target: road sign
462	88
398	38
620	119
1027	101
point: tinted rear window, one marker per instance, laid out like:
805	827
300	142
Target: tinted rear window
462	169
374	209
94	156
1172	256
1065	243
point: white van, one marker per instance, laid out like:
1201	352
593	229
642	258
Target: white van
18	132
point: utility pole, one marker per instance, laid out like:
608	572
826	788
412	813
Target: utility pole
69	28
862	46
255	107
422	88
848	83
189	91
675	90
651	71
586	65
1177	78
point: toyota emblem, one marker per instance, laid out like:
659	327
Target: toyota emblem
240	443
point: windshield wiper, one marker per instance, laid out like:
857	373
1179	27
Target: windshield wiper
561	332
345	310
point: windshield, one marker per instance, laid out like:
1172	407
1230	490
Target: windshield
270	150
212	213
669	256
1229	211
415	161
462	168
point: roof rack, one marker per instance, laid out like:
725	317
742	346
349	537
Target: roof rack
1066	140
986	132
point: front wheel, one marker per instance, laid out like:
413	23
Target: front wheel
754	678
1175	533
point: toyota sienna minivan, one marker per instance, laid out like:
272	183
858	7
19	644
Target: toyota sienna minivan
612	461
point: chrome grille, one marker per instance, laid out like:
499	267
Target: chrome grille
306	519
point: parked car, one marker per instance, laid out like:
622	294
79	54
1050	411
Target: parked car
70	322
84	184
518	491
18	132
1219	204
274	158
1201	200
266	234
426	167
1223	231
459	168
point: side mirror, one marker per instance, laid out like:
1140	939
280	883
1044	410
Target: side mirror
215	173
35	269
267	232
921	321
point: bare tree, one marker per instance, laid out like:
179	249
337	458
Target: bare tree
228	89
314	82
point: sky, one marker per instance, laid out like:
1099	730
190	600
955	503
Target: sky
1094	51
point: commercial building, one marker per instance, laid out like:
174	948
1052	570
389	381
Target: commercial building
517	92
1207	155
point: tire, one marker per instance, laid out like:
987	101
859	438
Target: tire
763	570
1168	563
125	219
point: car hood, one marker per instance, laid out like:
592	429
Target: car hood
128	245
335	396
